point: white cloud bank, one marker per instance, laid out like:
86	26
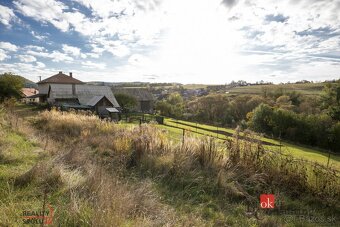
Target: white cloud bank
202	41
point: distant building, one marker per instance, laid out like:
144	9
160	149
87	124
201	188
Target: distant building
60	78
145	100
27	93
79	96
67	92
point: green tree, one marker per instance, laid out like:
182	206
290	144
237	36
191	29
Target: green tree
335	135
127	102
330	100
213	108
284	102
262	118
164	108
10	86
172	106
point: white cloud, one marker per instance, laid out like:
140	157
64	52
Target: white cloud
92	65
44	11
40	64
122	18
27	58
118	50
3	55
75	51
37	36
35	48
8	46
115	47
6	15
93	55
106	8
194	40
27	70
55	56
139	60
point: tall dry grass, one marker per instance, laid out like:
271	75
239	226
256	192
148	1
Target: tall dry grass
100	154
247	161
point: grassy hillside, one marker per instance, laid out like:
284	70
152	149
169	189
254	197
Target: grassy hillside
296	151
305	89
105	174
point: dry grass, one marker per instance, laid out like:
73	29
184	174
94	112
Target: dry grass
147	146
109	174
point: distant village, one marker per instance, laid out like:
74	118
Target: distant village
67	92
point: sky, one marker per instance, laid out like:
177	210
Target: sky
185	41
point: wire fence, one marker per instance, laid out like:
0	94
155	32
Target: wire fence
223	135
276	152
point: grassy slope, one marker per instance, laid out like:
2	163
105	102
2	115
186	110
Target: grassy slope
18	156
306	89
295	150
194	86
198	196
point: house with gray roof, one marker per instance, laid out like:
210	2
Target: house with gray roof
67	92
145	99
60	78
96	98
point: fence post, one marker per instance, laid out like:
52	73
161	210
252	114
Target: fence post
329	156
280	142
183	136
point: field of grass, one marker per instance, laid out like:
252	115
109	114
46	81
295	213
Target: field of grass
288	148
306	89
17	156
100	173
176	132
194	86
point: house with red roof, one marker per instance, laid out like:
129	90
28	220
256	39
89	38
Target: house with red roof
26	94
67	92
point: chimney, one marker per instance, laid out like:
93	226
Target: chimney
60	72
71	75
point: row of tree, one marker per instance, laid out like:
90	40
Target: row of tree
318	130
311	120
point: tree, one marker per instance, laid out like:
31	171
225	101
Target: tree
211	108
330	100
172	106
262	118
284	102
164	108
335	135
127	102
10	86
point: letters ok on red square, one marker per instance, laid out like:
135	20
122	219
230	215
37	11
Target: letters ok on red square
267	201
